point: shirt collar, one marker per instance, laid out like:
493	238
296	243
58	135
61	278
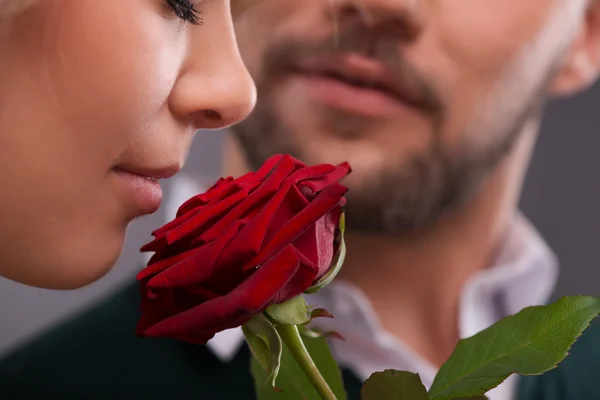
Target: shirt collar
523	273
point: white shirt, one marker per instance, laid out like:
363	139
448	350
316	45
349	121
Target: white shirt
523	274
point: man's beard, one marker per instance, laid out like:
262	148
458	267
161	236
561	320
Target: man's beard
400	198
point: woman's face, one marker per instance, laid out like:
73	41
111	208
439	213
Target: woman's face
93	96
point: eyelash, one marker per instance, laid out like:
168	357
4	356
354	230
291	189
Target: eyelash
185	10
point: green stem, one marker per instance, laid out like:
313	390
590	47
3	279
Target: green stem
291	337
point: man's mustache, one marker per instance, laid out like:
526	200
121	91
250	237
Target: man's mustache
284	57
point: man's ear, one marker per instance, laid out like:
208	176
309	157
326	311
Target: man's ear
581	66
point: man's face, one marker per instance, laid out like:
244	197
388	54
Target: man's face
424	98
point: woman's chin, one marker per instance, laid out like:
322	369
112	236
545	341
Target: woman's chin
73	278
87	277
73	272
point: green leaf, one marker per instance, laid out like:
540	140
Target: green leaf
292	312
337	262
396	385
266	347
529	343
292	380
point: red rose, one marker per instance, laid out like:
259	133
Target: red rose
242	246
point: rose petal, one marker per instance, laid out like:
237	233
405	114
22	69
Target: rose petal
325	201
293	203
251	238
158	266
225	192
239	306
306	244
201	292
202	199
325	234
190	228
268	166
197	267
272	183
302	280
317	183
315	171
153	310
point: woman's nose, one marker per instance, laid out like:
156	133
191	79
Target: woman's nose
216	90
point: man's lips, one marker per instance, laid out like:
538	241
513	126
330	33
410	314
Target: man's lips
352	99
355	75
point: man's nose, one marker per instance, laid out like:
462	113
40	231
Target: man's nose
404	18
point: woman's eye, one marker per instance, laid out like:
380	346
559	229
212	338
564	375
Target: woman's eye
186	10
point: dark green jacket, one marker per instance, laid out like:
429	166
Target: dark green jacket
96	356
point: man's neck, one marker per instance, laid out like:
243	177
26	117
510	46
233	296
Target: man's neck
421	276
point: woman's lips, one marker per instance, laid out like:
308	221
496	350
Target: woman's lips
143	193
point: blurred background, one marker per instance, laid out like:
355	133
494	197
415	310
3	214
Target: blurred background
560	198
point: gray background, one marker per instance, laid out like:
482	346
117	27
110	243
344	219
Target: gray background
560	197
